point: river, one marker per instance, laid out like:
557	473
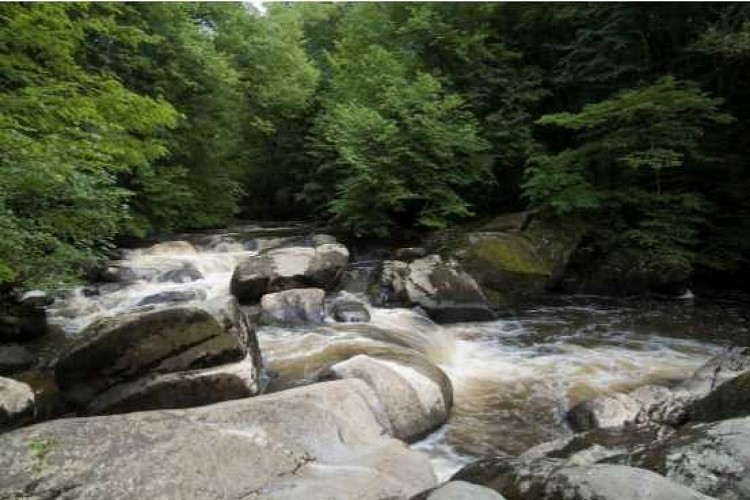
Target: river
513	379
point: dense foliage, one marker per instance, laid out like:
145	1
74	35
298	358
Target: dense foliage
129	119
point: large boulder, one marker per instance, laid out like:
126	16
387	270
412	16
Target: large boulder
304	305
445	291
546	479
324	441
711	458
515	257
120	349
414	402
459	490
286	268
180	390
16	404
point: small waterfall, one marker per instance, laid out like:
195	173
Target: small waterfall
178	270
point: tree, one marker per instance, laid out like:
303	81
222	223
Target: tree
625	166
66	135
394	144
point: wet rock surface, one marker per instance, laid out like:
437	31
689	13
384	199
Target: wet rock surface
296	442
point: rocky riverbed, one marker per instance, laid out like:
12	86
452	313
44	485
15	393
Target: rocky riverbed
275	362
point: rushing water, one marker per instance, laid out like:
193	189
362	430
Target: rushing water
513	379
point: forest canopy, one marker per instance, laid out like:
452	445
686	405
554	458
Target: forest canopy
129	119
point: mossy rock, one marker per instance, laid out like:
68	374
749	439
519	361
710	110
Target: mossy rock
515	266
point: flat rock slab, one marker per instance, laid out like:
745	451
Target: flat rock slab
323	441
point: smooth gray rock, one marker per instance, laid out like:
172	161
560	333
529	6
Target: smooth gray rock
180	390
287	268
414	402
445	291
319	442
14	358
120	349
304	305
459	490
546	479
16	404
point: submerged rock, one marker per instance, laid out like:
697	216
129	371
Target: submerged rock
172	296
287	268
122	348
185	274
318	442
414	402
304	305
350	311
546	479
16	404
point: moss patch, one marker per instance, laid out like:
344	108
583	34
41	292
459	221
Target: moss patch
40	449
508	254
